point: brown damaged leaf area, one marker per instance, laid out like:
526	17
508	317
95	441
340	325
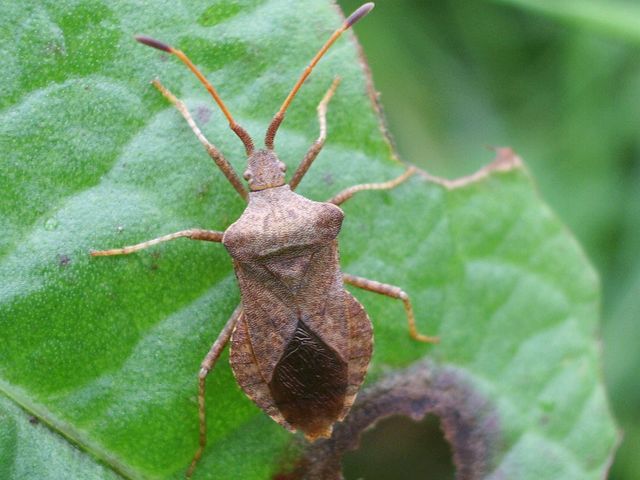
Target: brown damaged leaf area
468	421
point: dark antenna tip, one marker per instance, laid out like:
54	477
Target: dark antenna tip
153	43
359	13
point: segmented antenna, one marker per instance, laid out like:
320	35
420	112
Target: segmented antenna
237	129
277	119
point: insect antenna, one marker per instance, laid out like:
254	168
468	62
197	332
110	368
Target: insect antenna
237	129
277	119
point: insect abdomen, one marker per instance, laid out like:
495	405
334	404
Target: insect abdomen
327	397
309	383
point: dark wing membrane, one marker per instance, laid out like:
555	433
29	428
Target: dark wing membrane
309	383
312	387
273	306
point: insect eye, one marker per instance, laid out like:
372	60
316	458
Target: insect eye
283	166
247	175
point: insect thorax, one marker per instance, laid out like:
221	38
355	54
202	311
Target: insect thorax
280	223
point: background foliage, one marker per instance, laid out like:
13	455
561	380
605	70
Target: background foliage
560	82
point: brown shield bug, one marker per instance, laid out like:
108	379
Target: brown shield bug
300	343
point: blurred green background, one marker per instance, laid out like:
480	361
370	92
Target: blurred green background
559	81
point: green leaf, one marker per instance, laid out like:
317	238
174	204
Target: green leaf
28	449
105	351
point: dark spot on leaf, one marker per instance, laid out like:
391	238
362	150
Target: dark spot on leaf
203	114
309	382
56	49
154	265
327	178
467	419
63	260
33	420
203	190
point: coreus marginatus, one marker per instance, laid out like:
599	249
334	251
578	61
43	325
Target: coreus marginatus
300	343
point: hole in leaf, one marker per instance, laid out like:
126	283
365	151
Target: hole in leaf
398	447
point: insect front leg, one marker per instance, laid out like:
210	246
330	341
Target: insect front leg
314	150
192	233
213	152
393	292
347	193
205	367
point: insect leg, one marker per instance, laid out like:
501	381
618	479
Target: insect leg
393	292
314	150
213	152
347	193
205	367
192	233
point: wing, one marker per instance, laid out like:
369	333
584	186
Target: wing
284	296
247	374
312	387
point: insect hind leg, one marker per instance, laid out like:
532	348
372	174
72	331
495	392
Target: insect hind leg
393	292
206	366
